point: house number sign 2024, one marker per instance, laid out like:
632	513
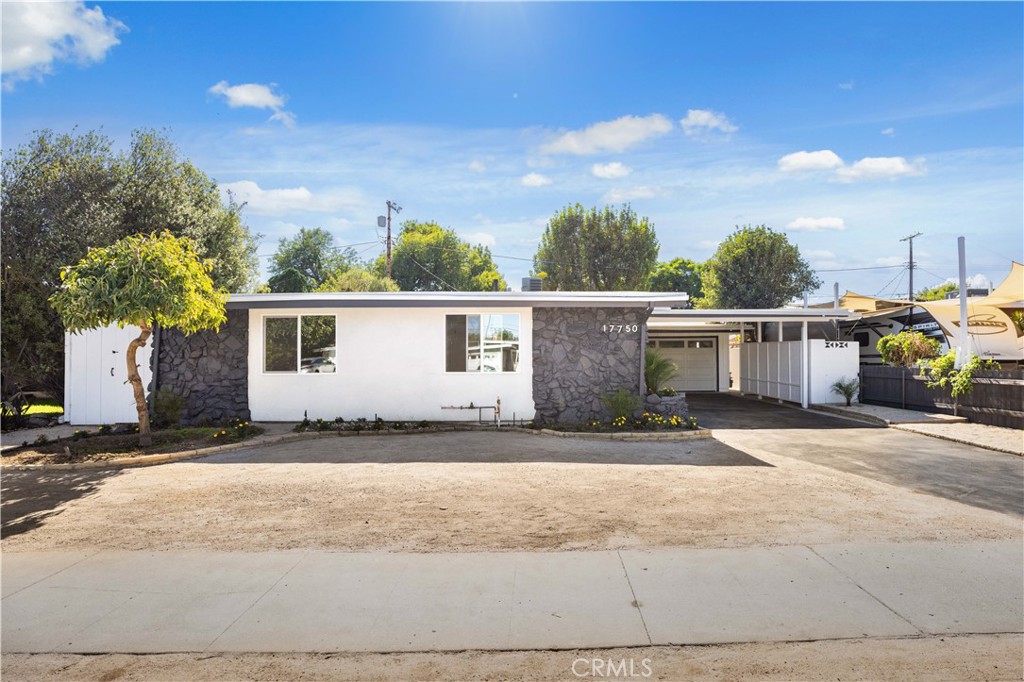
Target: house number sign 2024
619	328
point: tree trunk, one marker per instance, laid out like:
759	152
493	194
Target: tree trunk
145	439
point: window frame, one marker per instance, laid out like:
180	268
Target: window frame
298	344
481	372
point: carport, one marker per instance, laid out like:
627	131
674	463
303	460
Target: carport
791	354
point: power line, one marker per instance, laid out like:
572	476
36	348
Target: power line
334	248
424	269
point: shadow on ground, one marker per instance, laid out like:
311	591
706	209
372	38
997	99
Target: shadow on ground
489	448
28	498
725	411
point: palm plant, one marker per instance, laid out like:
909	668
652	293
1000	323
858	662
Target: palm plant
657	370
846	388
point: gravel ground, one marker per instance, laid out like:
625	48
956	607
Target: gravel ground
937	659
475	491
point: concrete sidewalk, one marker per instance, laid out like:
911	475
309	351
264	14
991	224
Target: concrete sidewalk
146	602
936	425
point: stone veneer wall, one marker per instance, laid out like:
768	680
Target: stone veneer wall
575	363
209	369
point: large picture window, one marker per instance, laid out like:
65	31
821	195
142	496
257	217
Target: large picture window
304	344
488	342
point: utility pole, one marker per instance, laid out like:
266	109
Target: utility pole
392	206
910	263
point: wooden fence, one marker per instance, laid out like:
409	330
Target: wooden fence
997	398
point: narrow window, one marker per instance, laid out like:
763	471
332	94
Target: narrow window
280	344
455	343
319	352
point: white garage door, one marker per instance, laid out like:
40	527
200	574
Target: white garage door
696	359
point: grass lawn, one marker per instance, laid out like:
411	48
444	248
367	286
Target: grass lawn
45	407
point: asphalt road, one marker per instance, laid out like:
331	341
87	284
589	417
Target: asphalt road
968	474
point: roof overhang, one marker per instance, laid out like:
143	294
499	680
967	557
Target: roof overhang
667	318
460	299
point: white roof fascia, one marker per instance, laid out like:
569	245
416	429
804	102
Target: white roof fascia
669	316
456	299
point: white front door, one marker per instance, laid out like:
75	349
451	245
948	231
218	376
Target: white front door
696	359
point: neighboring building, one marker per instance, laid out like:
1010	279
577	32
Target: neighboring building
549	356
994	321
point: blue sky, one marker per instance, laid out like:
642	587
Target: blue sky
848	126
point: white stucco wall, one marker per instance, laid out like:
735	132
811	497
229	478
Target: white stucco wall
831	361
391	362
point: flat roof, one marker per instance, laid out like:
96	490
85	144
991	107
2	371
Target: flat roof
461	299
666	318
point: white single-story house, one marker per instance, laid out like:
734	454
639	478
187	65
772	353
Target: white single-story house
549	356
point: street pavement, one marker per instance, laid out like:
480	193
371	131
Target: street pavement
146	602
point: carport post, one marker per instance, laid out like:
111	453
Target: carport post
805	365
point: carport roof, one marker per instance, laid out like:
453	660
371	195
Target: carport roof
461	299
666	317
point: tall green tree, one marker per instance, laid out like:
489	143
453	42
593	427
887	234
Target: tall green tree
358	279
137	281
937	293
312	252
756	267
428	257
597	250
63	193
679	274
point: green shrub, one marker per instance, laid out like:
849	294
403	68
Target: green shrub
940	373
846	388
167	406
907	349
621	403
657	370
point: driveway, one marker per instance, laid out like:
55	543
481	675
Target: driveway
968	474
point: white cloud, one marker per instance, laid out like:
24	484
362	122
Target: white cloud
299	199
709	244
257	96
609	136
535	180
484	238
609	171
817	224
890	261
477	166
848	85
820	254
703	121
889	132
824	159
37	34
879	168
616	196
978	281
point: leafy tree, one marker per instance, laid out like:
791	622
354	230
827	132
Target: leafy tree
936	293
597	250
756	267
907	349
289	281
940	373
428	257
312	253
62	193
137	281
358	279
679	274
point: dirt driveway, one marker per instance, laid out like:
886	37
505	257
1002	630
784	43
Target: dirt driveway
477	491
